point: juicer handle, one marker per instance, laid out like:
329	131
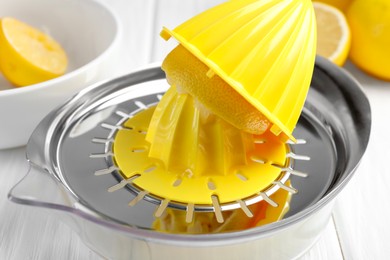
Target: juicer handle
39	188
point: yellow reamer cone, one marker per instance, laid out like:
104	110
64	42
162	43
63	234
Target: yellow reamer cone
264	49
193	157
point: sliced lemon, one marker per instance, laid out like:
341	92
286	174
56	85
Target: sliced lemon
189	75
27	55
333	33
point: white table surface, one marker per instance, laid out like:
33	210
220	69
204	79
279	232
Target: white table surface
359	227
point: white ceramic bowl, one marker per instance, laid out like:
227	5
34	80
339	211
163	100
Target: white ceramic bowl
90	34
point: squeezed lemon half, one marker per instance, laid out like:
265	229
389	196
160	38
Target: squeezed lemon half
189	75
27	55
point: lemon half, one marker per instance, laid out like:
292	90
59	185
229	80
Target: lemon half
189	75
27	55
333	33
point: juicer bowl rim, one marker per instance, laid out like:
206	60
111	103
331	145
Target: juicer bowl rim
334	72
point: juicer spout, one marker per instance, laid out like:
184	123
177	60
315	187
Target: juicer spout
39	188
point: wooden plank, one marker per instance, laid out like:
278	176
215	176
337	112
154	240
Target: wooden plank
29	233
327	247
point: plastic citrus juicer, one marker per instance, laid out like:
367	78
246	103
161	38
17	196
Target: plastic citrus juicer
173	156
71	155
220	137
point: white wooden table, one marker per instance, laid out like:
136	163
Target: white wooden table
359	228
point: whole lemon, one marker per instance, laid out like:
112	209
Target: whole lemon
369	23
